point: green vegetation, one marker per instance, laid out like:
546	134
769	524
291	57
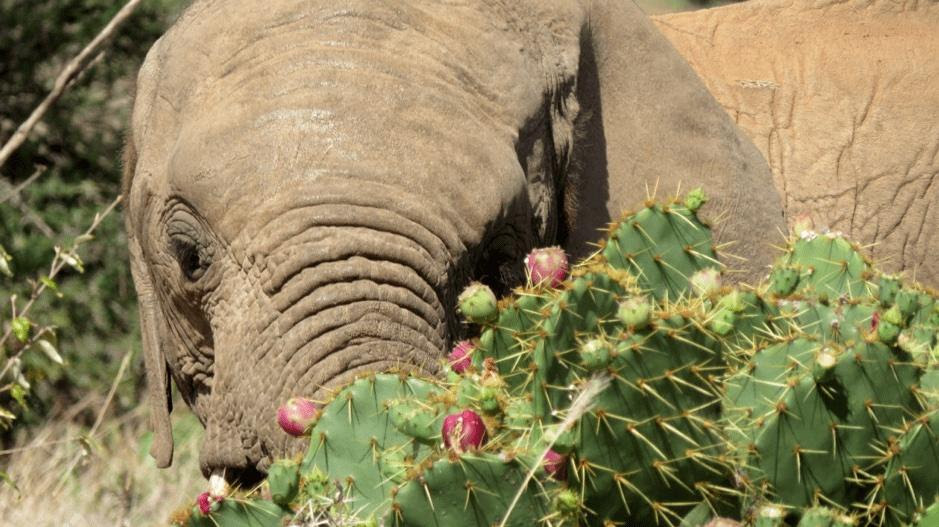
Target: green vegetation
643	390
63	439
76	151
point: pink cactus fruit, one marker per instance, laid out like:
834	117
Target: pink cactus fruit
460	356
206	501
297	415
547	265
463	431
555	465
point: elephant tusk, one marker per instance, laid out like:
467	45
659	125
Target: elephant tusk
218	487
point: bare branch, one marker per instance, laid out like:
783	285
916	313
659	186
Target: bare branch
14	191
69	73
29	215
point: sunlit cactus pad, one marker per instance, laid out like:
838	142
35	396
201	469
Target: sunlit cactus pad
636	388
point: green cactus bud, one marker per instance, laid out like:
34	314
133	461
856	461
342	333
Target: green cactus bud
519	413
733	302
489	399
706	282
803	223
887	289
595	354
783	280
415	419
893	316
567	504
918	349
635	312
770	516
467	391
888	327
674	320
478	303
817	517
283	479
823	369
722	321
315	483
393	465
695	199
907	302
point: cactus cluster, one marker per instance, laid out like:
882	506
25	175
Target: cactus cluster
636	388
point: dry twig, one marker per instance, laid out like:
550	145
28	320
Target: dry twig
72	69
581	405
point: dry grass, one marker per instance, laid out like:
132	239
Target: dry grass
110	480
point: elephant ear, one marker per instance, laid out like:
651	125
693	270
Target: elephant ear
648	121
152	327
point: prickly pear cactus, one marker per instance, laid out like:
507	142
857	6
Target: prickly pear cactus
636	388
830	408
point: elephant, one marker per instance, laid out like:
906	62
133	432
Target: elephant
310	184
842	99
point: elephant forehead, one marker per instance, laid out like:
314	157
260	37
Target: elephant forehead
281	158
264	98
226	52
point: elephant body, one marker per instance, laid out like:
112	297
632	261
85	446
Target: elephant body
310	184
842	99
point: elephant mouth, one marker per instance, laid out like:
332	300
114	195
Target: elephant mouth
247	473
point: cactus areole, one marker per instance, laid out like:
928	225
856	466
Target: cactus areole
463	431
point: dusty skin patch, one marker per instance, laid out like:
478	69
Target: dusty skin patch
841	100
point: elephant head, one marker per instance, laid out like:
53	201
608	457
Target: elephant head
309	184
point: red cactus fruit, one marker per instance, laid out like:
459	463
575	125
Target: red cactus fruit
555	465
459	357
547	265
297	415
206	502
463	431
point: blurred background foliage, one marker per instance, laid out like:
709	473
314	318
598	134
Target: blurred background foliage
78	146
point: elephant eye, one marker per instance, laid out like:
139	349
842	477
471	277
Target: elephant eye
193	261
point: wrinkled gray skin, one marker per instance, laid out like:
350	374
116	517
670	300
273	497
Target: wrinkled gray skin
311	183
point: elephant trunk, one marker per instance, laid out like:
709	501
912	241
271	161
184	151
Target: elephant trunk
340	289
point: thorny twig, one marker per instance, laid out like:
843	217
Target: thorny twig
71	71
61	259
